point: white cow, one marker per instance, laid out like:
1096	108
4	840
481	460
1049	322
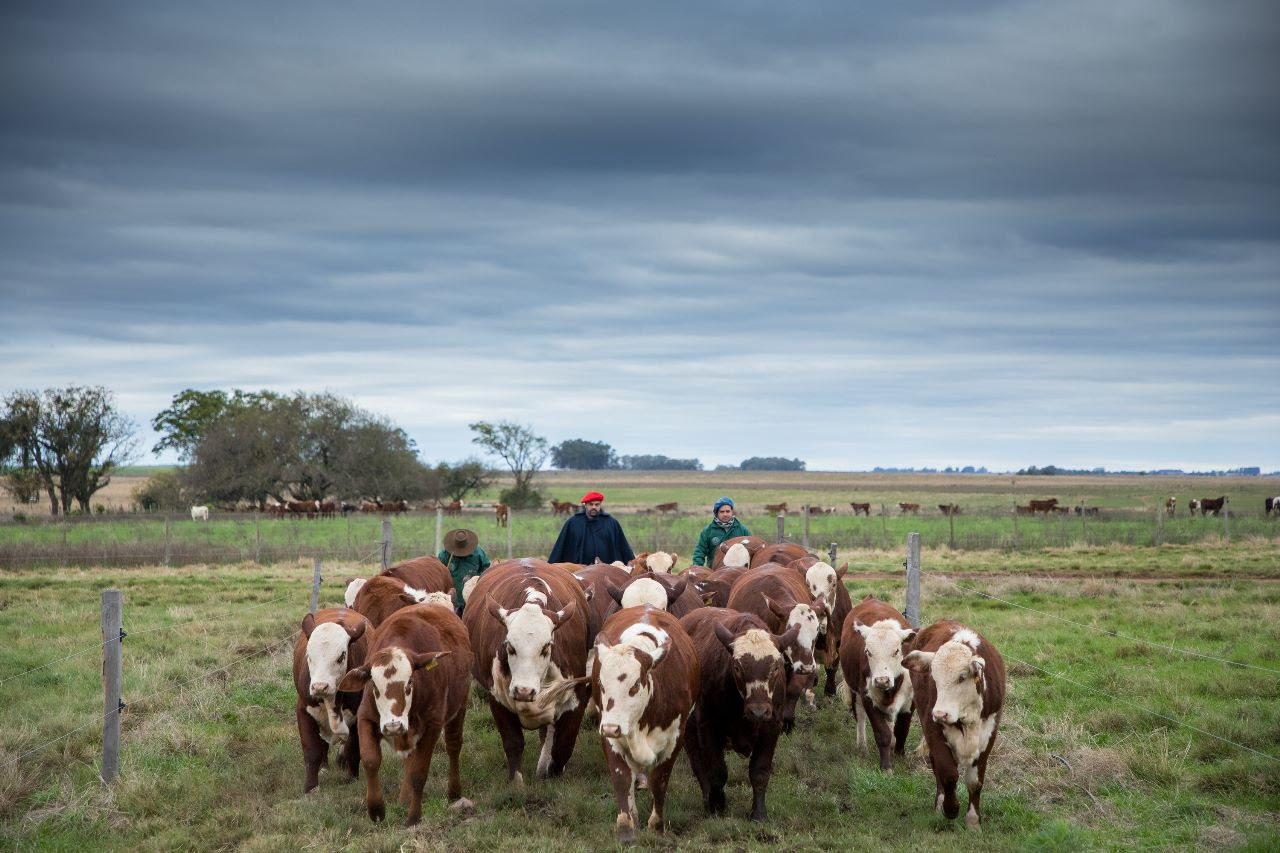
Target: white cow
199	513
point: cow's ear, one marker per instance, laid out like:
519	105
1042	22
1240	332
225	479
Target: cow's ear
562	615
918	661
977	666
355	680
777	607
862	630
427	660
787	638
907	634
677	589
614	593
589	592
819	606
498	612
357	631
725	636
842	571
308	624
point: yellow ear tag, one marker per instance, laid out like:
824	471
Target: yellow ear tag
432	665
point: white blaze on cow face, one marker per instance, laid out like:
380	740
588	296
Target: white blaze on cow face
737	556
440	599
756	660
353	589
626	686
822	581
660	562
645	591
529	633
801	652
883	649
392	675
418	595
327	658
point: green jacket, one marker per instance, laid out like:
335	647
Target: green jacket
461	568
712	535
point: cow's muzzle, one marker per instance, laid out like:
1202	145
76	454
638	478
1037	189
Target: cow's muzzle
943	716
611	730
322	690
758	712
524	694
883	682
393	727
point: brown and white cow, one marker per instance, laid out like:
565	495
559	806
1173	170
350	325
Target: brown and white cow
959	684
909	508
736	551
828	583
672	593
332	641
878	686
500	513
415	684
1170	505
528	625
380	596
595	580
864	508
740	703
1193	506
778	552
645	680
715	588
426	573
1213	505
658	562
1271	506
776	509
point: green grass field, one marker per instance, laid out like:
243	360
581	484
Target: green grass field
1113	738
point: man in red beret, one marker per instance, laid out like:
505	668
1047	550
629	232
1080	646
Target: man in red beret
591	535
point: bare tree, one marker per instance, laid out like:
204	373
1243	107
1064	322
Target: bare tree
523	452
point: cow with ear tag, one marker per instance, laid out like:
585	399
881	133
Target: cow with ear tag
332	642
959	684
876	684
415	685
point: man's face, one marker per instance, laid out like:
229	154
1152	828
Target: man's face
724	513
592	508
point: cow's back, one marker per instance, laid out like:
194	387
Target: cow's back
780	552
598	577
676	673
777	582
442	690
425	573
380	597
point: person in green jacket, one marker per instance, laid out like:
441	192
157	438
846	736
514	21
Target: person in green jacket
724	525
463	557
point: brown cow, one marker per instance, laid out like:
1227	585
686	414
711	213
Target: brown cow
415	687
1212	505
674	506
500	512
645	681
672	593
528	626
780	552
864	508
958	679
332	641
596	580
425	573
740	703
1170	504
776	509
716	587
912	509
949	509
660	562
1045	506
380	596
878	686
453	508
1193	506
297	509
561	507
750	545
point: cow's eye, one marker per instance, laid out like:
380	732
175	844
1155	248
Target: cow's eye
546	650
511	650
376	691
408	689
867	652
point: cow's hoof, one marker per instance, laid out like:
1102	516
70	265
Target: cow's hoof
377	813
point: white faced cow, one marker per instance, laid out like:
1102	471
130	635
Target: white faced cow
332	641
876	685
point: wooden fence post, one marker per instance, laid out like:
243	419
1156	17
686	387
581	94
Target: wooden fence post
1015	527
315	586
804	542
782	527
112	635
831	555
166	541
912	564
386	543
257	537
951	522
1159	526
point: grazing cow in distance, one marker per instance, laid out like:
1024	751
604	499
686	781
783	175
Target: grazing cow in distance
645	681
878	686
199	513
674	506
415	688
1045	506
1212	505
1170	504
949	509
912	509
740	701
453	508
332	642
1082	510
1193	506
959	684
500	512
776	509
1272	506
561	507
864	508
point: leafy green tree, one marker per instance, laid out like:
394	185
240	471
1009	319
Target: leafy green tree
184	424
583	455
160	493
658	462
462	478
69	439
771	463
524	453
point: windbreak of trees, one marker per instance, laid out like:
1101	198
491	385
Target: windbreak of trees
771	463
583	455
657	462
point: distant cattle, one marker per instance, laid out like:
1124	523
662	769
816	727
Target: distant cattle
1045	506
332	642
777	509
328	509
1023	510
909	509
864	508
415	689
393	507
453	508
740	701
528	625
1170	504
645	681
1193	506
1082	510
561	507
959	683
878	687
199	513
674	506
500	512
1272	506
368	506
949	509
1212	505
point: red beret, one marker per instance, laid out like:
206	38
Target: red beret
591	496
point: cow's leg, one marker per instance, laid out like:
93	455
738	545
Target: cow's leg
624	791
658	779
974	780
416	768
512	739
947	801
371	758
717	772
860	722
901	727
829	689
453	748
883	735
314	750
567	726
759	770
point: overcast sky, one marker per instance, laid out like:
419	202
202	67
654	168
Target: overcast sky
997	234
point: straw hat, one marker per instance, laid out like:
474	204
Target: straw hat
461	542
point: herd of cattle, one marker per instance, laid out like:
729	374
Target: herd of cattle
708	659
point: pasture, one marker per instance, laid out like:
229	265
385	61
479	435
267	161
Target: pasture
1126	724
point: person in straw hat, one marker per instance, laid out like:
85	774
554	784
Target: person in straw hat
464	558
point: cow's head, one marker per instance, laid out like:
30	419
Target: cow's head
389	674
625	679
822	580
759	672
659	562
800	651
413	595
328	653
645	590
882	644
526	653
737	556
353	588
957	672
